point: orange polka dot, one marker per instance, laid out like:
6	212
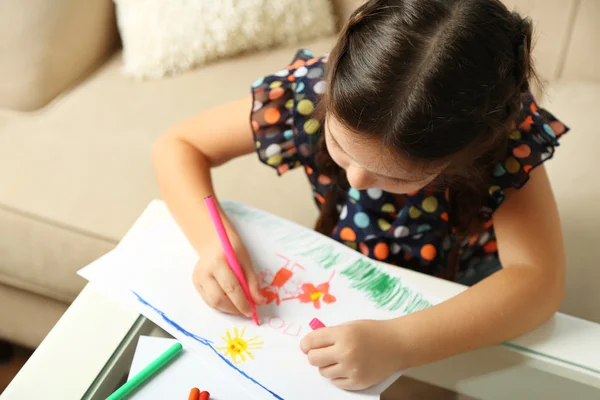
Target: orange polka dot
527	168
381	251
428	252
533	108
347	234
491	247
447	194
283	168
312	61
472	240
255	126
526	124
291	78
276	93
309	170
364	249
407	256
444	216
557	127
324	180
320	198
297	64
488	224
522	151
272	115
413	193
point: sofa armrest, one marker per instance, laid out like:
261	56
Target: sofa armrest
46	46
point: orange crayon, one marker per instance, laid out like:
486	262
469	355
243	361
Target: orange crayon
194	394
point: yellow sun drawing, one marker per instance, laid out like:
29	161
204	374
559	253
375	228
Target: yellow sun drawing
237	347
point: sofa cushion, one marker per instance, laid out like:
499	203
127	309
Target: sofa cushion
166	37
76	176
48	45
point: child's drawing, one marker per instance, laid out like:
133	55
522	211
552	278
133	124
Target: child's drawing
295	268
315	294
280	282
237	347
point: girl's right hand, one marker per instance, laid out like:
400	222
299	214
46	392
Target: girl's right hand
216	282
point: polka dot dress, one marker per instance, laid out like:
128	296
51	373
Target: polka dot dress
416	232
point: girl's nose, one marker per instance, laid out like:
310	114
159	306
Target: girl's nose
358	178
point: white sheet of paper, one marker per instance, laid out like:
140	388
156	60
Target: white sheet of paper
181	375
304	274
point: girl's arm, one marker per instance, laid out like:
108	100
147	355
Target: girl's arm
184	155
526	292
182	159
514	300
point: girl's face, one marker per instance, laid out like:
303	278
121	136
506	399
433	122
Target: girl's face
368	164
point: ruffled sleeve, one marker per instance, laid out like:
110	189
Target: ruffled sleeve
532	142
282	112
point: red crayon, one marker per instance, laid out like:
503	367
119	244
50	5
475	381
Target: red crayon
316	324
204	395
194	394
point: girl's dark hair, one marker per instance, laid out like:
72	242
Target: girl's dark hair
439	81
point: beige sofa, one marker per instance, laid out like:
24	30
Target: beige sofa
75	139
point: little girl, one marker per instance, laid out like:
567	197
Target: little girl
423	146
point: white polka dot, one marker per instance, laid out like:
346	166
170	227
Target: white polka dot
272	150
302	71
320	87
344	213
289	121
283	72
483	239
401	231
370	237
395	248
418	236
257	105
339	208
374	193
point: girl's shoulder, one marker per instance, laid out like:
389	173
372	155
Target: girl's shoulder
285	128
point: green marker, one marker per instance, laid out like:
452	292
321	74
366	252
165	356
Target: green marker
146	373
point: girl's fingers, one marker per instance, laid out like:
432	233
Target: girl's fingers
345	383
213	295
232	289
334	371
322	357
316	340
251	278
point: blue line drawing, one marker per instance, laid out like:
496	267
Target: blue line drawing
204	342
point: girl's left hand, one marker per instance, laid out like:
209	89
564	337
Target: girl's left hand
355	355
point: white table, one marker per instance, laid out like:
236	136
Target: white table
90	349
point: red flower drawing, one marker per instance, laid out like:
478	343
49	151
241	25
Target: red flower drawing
313	294
270	295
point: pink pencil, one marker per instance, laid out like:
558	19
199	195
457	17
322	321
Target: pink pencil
232	260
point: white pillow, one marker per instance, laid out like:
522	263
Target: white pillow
163	37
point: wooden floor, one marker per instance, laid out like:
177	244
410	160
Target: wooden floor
10	364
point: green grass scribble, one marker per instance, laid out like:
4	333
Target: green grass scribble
384	290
